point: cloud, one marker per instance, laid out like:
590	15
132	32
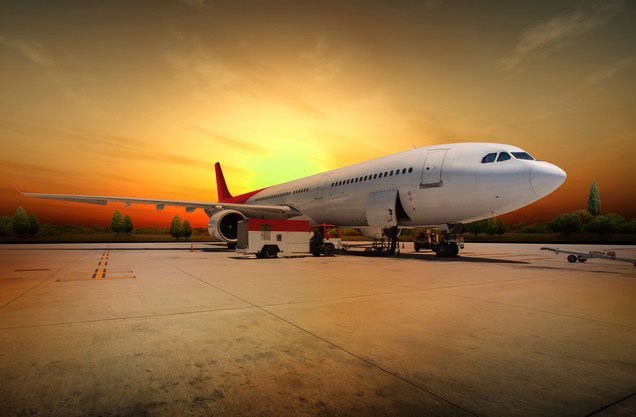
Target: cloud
325	65
608	72
31	51
560	31
239	145
195	3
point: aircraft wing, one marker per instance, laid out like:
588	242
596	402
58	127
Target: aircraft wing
249	210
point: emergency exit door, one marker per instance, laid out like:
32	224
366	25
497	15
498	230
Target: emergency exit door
322	184
432	170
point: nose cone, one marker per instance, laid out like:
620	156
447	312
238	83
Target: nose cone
546	178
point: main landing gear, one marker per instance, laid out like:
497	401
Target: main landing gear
444	243
446	249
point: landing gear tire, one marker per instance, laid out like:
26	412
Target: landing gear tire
270	252
571	258
582	259
454	249
329	250
442	250
231	245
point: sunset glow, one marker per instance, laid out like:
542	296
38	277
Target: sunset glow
142	99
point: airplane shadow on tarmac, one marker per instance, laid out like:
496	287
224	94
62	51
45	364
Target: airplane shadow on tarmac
434	258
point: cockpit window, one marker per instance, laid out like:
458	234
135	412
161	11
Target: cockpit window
489	158
523	155
503	156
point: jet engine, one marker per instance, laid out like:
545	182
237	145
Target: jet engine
223	225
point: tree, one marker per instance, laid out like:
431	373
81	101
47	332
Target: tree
566	224
117	222
20	222
187	229
605	224
34	224
5	225
128	224
477	227
584	215
491	227
627	227
501	227
176	227
594	201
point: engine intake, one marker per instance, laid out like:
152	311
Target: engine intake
223	225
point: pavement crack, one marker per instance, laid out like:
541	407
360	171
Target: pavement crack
144	316
534	309
342	349
611	404
43	281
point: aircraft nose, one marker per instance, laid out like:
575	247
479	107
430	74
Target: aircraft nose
546	178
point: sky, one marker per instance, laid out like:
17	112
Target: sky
141	98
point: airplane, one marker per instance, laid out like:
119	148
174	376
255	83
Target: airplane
440	186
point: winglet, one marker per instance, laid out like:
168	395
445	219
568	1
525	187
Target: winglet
221	187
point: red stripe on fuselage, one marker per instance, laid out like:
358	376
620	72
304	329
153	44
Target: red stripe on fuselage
242	199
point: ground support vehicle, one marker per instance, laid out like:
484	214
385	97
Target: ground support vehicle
324	242
266	238
442	243
574	256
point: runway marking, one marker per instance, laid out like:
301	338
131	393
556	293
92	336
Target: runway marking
101	272
41	282
31	270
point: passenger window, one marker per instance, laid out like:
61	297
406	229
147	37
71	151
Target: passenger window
391	173
403	170
386	173
365	178
410	169
489	158
375	176
397	172
503	156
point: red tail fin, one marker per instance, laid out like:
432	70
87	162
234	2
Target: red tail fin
221	187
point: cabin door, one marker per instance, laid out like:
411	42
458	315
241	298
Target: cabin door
381	208
432	170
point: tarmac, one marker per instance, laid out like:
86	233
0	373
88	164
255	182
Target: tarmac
157	329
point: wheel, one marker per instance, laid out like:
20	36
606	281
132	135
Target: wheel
329	250
231	245
442	250
270	252
582	259
315	252
571	258
454	249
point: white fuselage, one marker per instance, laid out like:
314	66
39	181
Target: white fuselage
435	185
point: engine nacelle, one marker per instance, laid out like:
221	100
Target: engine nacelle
223	225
